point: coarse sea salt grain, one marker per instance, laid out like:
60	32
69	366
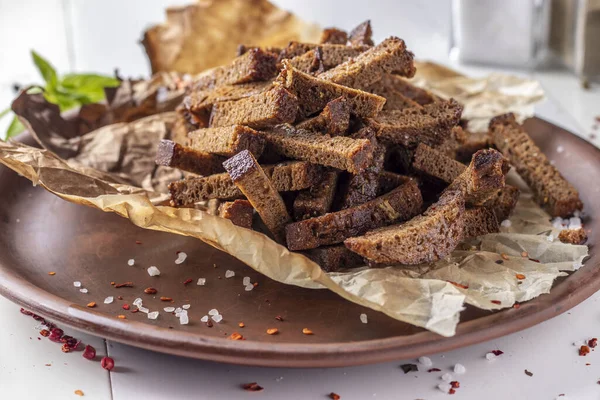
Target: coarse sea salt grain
153	315
169	309
77	284
560	149
363	318
84	290
181	256
214	311
426	361
550	238
459	369
444	387
217	318
574	223
144	309
153	271
249	287
204	319
506	223
109	300
138	302
447	377
229	274
186	306
201	281
131	262
246	281
184	319
490	356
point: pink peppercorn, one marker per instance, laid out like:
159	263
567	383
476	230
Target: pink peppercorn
89	352
107	363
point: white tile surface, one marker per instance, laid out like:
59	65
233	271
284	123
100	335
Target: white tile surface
23	358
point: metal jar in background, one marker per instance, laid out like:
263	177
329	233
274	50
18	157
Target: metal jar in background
575	36
511	33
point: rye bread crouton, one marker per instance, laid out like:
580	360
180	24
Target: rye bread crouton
414	93
550	189
316	200
360	72
400	204
314	93
334	258
361	34
324	57
250	178
334	120
424	239
227	141
239	212
394	99
270	108
171	154
287	176
333	36
480	221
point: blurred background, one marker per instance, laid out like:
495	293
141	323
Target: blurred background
518	36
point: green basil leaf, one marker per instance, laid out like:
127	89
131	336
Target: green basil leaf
89	85
4	112
14	128
65	101
46	70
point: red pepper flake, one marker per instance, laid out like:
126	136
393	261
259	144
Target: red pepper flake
516	305
126	307
121	316
136	310
497	352
124	284
138	242
455	384
593	342
209	323
584	350
91	304
334	396
241	324
65	348
588	364
164	298
255	284
236	336
496	302
112	283
534	260
89	352
78	392
252	387
433	370
150	290
187	281
107	363
45	332
528	373
272	331
524	254
279	318
520	276
458	285
119	297
51	273
307	331
451	391
504	256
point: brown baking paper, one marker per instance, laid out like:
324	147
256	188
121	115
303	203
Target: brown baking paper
113	169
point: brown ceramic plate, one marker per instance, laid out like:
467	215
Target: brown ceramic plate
40	233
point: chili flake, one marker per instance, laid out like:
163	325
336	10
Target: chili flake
91	304
520	276
516	305
499	261
187	281
528	373
524	254
455	384
307	331
497	352
272	331
150	290
504	256
112	283
78	392
496	301
459	285
124	284
252	387
121	316
334	396
451	391
65	348
138	242
51	273
126	307
433	370
163	298
593	342
279	318
584	350
241	324
236	336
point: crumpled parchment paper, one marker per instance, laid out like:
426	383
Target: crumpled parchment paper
112	169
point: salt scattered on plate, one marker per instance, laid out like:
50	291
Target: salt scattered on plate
560	149
131	262
217	318
169	309
444	387
109	300
181	256
249	287
506	223
144	309
204	319
246	281
84	290
229	274
459	369
77	284
137	302
153	271
184	319
490	356
363	318
186	306
447	377
153	315
214	311
426	361
201	281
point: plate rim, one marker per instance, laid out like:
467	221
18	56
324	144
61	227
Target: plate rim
333	354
